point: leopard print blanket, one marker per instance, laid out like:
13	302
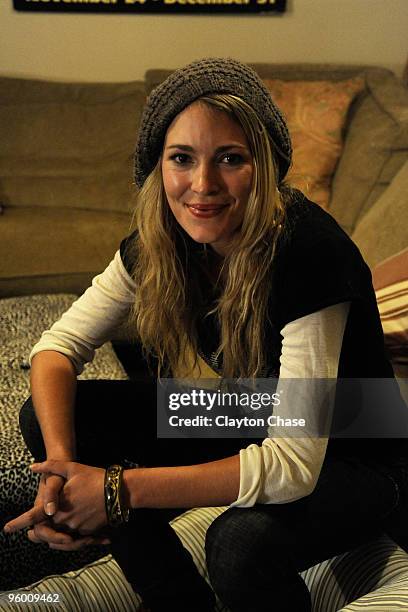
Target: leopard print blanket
22	320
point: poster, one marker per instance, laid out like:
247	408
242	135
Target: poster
243	7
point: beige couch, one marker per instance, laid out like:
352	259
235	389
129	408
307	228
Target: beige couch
66	183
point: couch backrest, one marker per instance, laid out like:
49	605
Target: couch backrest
286	72
71	144
68	144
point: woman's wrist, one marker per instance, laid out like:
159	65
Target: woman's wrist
63	453
129	486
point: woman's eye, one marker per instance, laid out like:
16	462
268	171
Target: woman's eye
232	159
180	158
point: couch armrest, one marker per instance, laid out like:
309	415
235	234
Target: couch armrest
375	147
383	230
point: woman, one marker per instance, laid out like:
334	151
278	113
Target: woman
229	273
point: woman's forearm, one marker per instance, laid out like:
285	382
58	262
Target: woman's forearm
209	484
53	387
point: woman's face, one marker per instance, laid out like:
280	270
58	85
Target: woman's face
207	171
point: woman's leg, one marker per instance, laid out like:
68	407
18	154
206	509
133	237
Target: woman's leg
115	422
254	555
106	412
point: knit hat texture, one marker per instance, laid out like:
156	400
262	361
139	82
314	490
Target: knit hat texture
202	77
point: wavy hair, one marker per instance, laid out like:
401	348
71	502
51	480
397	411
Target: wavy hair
168	298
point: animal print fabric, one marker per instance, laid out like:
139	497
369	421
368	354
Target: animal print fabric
22	320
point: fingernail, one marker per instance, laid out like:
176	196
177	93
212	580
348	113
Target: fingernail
50	508
6	529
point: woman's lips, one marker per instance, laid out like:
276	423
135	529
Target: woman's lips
206	211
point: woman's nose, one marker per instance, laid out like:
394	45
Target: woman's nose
205	180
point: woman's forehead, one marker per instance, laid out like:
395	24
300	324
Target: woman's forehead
201	120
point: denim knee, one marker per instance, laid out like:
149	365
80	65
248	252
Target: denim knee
226	546
249	565
31	431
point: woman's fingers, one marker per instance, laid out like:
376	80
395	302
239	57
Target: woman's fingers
58	541
32	537
74	545
44	533
55	466
52	488
47	534
31	517
48	492
79	543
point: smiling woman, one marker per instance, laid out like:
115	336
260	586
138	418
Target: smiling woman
218	185
230	273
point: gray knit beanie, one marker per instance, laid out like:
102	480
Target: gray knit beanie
207	76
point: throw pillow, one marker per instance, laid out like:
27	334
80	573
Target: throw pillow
390	280
316	112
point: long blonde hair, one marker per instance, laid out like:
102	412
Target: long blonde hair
166	301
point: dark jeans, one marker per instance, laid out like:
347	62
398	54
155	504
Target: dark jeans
253	554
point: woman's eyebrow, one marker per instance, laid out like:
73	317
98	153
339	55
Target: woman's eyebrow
226	147
180	146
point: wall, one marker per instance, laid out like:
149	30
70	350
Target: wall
89	47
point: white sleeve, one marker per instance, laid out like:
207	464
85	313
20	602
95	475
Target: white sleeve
92	318
284	469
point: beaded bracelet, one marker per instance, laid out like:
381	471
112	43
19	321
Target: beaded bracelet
115	510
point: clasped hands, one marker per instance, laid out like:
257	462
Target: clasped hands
69	510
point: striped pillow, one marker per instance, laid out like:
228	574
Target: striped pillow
390	279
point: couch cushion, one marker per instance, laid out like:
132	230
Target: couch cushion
48	250
68	144
316	113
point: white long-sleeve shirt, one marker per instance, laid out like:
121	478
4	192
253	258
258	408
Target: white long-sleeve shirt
281	469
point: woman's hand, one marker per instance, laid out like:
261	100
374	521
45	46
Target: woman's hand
45	505
81	507
39	525
77	492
